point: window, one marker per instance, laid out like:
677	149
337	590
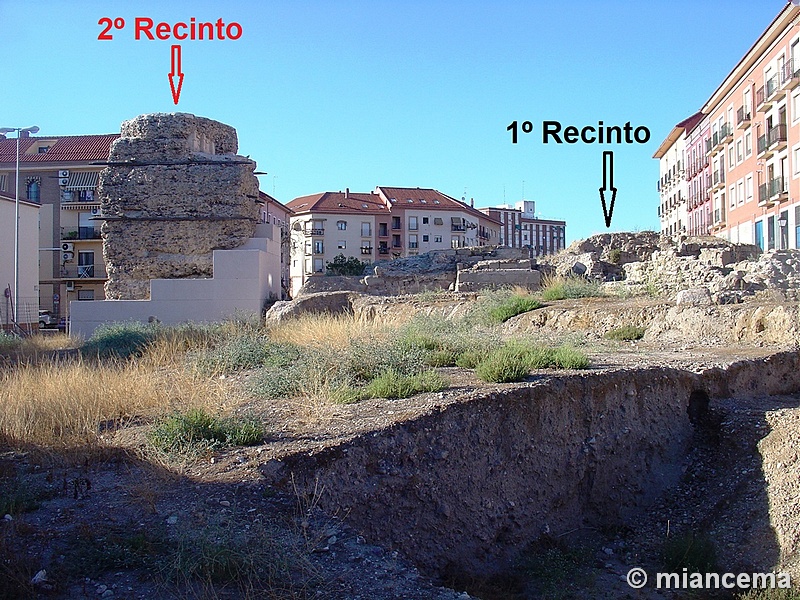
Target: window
748	143
437	239
748	188
739	155
85	294
341	245
319	247
318	266
43	149
425	220
438	221
732	196
412	241
383	229
396	223
341	225
731	162
366	229
86	263
455	242
740	192
2	183
412	223
425	238
396	241
33	191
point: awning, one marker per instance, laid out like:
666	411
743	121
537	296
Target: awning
456	220
82	181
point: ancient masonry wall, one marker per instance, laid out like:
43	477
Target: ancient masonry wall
174	191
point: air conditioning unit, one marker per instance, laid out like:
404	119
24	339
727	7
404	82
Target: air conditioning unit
67	256
67	246
63	181
63	173
70	286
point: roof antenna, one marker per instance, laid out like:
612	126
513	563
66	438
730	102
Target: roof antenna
523	189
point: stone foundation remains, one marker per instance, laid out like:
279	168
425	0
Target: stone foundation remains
174	191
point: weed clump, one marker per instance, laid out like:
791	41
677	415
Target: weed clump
562	288
197	430
516	358
391	384
120	340
626	333
513	306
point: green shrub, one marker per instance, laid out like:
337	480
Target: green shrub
512	307
441	358
615	256
771	594
469	359
246	350
561	288
626	333
566	357
390	384
503	365
197	430
121	340
341	265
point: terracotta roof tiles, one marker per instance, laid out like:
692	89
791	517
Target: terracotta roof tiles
68	148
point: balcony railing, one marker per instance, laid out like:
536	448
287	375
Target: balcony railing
719	177
80	233
315	231
83	272
763	193
790	75
778	187
383	250
743	117
777	135
709	145
366	250
457	228
719	216
765	94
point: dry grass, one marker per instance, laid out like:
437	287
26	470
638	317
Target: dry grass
37	345
333	331
65	403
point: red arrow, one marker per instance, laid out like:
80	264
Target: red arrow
176	70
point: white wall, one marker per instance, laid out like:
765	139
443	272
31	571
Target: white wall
28	311
244	278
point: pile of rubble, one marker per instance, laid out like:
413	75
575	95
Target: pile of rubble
697	270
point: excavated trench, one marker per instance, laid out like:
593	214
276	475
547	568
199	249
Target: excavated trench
468	488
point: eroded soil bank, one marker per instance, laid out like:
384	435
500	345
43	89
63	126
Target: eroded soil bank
469	486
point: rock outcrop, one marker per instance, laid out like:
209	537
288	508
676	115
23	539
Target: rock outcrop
174	191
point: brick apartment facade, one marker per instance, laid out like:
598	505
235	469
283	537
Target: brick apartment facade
387	223
741	160
520	228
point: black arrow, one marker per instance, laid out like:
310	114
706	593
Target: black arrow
608	186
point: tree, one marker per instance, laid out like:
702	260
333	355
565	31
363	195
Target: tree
345	266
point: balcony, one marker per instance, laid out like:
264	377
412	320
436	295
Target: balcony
309	231
719	217
457	228
744	118
83	272
721	137
778	190
765	95
719	180
777	137
790	76
80	233
383	250
763	146
709	145
366	250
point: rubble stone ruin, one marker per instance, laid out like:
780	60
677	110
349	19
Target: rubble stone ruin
174	191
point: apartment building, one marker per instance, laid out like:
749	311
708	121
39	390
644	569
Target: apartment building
387	223
752	144
59	174
521	228
699	179
673	186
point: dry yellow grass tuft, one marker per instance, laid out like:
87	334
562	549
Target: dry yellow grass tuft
336	331
63	403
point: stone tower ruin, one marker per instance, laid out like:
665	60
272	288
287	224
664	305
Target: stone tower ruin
174	191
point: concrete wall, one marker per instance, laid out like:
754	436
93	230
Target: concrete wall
244	278
28	260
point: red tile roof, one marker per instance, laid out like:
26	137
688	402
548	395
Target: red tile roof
68	148
339	202
428	198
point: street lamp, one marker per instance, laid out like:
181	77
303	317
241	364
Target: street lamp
20	131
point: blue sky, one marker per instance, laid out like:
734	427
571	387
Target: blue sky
335	94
